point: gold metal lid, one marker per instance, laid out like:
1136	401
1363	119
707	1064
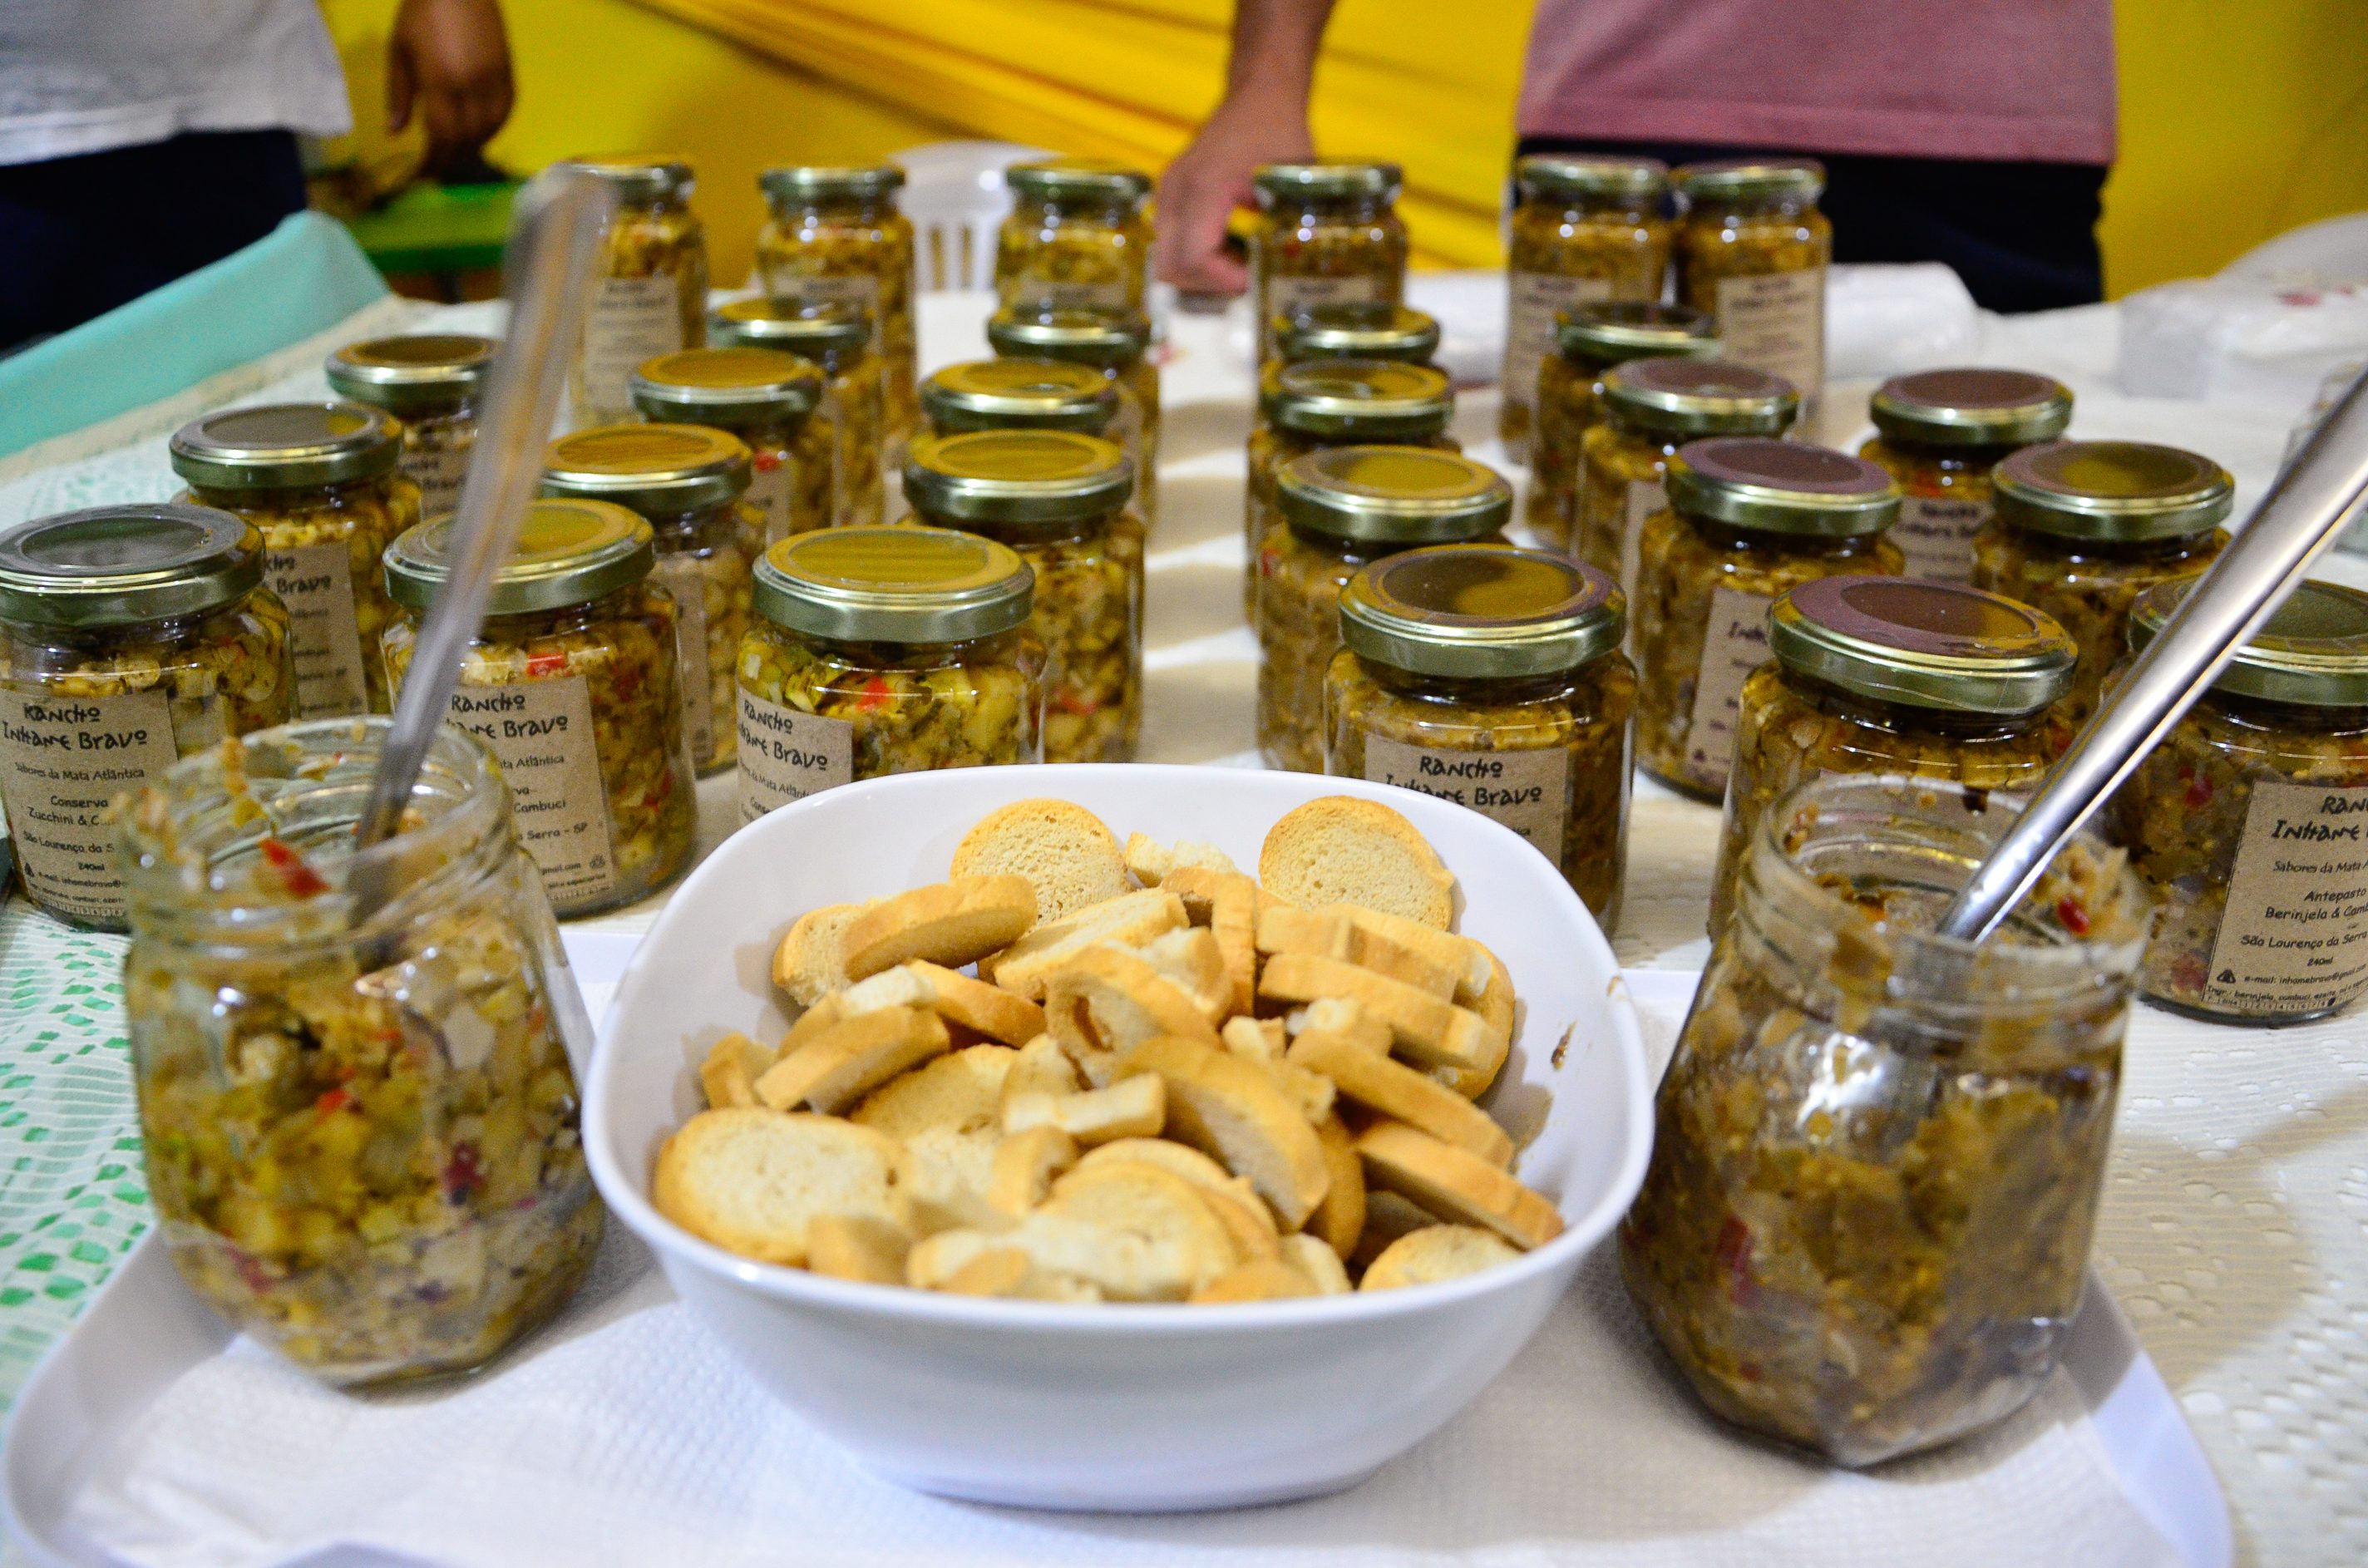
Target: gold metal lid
568	552
1400	495
1482	611
1971	407
406	375
640	176
2115	491
731	388
1030	478
1107	339
1357	329
665	469
2312	650
1018	394
125	565
1570	176
1727	179
1789	487
793	183
1924	644
1676	395
1360	400
1329	180
893	584
286	446
1610	332
821	332
1078	179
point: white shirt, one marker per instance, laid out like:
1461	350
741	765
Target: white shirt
85	75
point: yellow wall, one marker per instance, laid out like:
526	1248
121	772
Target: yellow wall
2232	130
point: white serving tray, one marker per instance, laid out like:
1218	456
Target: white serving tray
143	1332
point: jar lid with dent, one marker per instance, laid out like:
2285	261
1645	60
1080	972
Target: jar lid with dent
1482	611
1612	331
1360	400
126	565
645	178
1078	179
726	387
1398	496
568	552
286	446
1576	176
1728	179
1018	394
410	374
2313	651
651	468
1017	476
1788	487
1674	395
2121	492
1924	644
1108	340
1357	329
812	332
1280	183
792	183
893	584
1971	407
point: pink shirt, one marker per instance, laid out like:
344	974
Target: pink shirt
1988	79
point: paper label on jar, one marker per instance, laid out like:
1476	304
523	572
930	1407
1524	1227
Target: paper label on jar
316	582
1935	534
773	482
803	288
2294	939
438	472
787	754
1646	497
1528	791
1535	298
62	760
1734	644
688	584
631	319
541	731
1776	322
1072	294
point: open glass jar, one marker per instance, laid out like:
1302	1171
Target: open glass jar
1752	250
1058	500
1938	434
649	293
837	340
1585	230
1078	238
834	237
320	482
1358	329
2084	529
1748	518
1878	1153
361	1138
130	636
1326	233
431	383
1342	510
880	651
1118	347
688	483
572	685
773	402
1493	677
1646	409
1897	676
2246	820
1587	341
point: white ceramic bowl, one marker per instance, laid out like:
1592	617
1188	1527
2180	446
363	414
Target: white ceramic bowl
1117	1407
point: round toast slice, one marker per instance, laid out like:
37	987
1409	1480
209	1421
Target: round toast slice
1341	849
1064	850
1437	1253
752	1180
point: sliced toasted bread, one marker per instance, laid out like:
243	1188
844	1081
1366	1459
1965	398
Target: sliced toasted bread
1039	1067
1064	850
946	1107
1457	1187
1317	1263
1267	1279
1025	966
1152	862
951	923
1228	1108
1378	932
851	1058
1025	1164
1322	933
1340	1219
974	1004
751	1180
1423	1028
1387	1217
1396	1090
808	963
1496	1005
1234	1203
729	1074
1159	1205
1437	1253
1107	1000
1192	961
933	1195
1341	849
1122	1264
1339	1016
904	986
857	1246
1227	904
1136	1108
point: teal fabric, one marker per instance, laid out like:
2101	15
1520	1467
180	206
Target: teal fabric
303	278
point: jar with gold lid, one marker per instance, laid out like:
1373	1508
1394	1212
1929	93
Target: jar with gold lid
773	403
1327	233
321	482
1646	409
1940	433
431	382
1358	329
1117	345
649	289
834	237
837	340
1585	230
1587	341
1343	508
1078	237
1017	394
1753	250
1493	677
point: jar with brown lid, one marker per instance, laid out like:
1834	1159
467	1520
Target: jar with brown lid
1118	345
1078	237
1752	251
431	383
833	236
1326	233
1585	230
1645	410
649	289
1940	433
837	340
772	402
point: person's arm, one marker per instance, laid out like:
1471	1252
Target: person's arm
1262	119
448	61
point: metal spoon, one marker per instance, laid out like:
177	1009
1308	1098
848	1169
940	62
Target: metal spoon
2307	507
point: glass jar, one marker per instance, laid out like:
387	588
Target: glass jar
572	685
1058	500
1889	674
1342	508
1941	432
773	402
2084	529
649	290
2245	820
1645	410
834	237
1748	518
690	483
1358	329
1878	1150
1585	230
1326	233
1017	394
1077	237
362	1138
431	383
837	340
1589	341
130	636
880	651
1493	677
320	481
1752	250
1119	347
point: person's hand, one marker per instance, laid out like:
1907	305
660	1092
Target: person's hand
1211	176
449	61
